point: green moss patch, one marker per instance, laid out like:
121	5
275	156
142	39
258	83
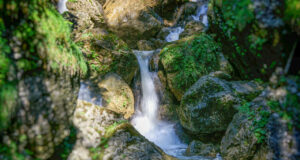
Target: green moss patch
190	59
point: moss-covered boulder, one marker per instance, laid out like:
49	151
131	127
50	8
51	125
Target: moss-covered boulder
117	95
255	34
208	106
39	79
185	61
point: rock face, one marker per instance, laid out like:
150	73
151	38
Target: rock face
201	149
46	106
117	95
85	14
208	106
104	134
132	20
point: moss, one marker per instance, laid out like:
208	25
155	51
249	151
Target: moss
40	37
191	59
292	12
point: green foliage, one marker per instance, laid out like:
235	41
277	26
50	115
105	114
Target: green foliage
237	13
289	108
68	144
10	152
191	59
292	12
259	118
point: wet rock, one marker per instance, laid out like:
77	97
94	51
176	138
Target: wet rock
163	33
201	149
132	20
117	95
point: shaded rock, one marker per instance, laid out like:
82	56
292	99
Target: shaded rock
239	141
132	20
163	33
43	118
201	149
145	45
191	28
208	106
117	95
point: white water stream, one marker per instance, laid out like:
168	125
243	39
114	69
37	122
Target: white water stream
201	12
61	6
145	121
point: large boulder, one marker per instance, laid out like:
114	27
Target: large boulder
117	95
132	20
104	134
209	105
185	61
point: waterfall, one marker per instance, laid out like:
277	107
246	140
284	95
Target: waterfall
61	6
201	12
174	34
145	120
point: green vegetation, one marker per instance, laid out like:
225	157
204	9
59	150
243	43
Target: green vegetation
97	152
40	37
67	145
292	12
289	108
191	59
10	152
259	118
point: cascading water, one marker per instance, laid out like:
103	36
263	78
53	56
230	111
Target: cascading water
145	120
87	94
201	12
174	34
61	6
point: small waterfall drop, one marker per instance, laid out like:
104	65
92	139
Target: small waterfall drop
145	120
201	12
61	6
174	34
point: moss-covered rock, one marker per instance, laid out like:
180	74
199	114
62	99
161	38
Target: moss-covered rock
208	106
188	59
39	79
254	35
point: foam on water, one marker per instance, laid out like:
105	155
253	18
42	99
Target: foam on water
145	121
174	34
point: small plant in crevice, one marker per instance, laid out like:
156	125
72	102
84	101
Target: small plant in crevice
259	119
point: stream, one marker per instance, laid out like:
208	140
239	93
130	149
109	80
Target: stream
145	119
